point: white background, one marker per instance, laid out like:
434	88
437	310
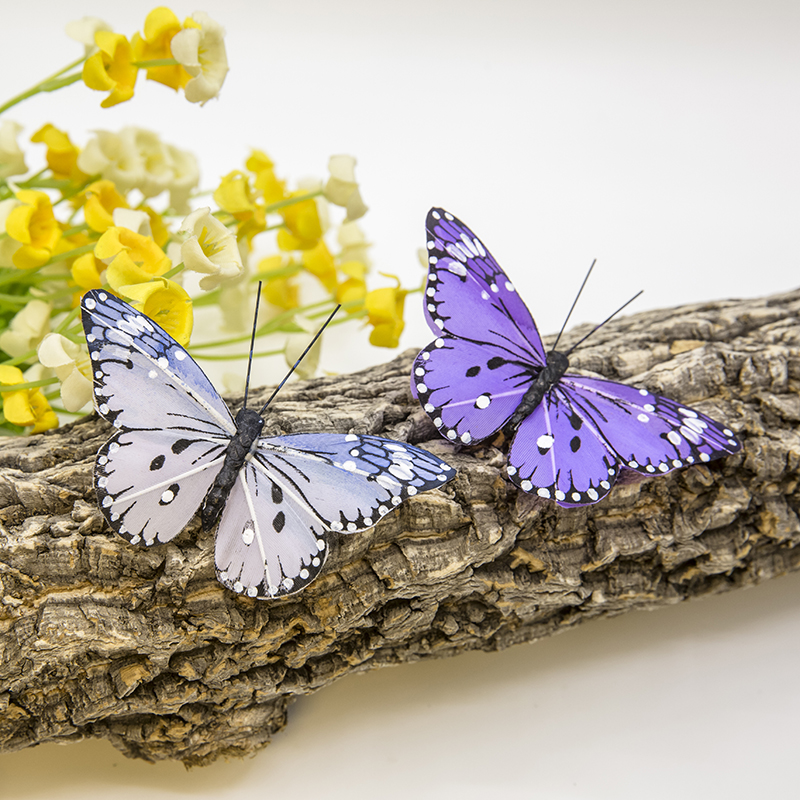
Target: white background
661	138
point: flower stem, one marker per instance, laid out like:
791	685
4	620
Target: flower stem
50	84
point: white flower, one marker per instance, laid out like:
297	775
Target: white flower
27	328
342	187
71	364
297	342
136	221
201	52
354	244
211	248
83	31
136	158
12	159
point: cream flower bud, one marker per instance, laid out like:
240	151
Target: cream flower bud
201	52
342	187
71	365
26	329
83	31
12	159
210	248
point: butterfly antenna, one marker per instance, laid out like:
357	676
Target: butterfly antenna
574	303
252	346
296	363
607	319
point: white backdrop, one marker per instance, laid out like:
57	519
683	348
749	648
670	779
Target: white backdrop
660	138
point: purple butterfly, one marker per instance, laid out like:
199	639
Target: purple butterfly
488	369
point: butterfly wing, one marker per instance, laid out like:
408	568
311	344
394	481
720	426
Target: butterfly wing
572	446
271	539
469	296
559	455
649	433
468	392
173	426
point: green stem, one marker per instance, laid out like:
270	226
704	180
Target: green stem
156	62
18	387
49	84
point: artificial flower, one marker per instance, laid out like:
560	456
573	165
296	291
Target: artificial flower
12	159
279	289
111	68
102	199
342	187
130	257
353	243
62	155
210	248
272	189
160	26
200	49
319	262
25	407
166	303
72	367
385	309
305	221
33	224
354	288
83	31
26	329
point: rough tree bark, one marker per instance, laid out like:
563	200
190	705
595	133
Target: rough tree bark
146	649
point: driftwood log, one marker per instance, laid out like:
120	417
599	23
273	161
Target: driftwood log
146	649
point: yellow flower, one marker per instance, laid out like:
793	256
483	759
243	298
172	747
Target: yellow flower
166	303
160	232
130	257
304	226
102	198
83	31
25	406
160	26
87	271
355	287
319	262
234	196
33	224
111	69
62	155
211	248
385	309
200	49
26	329
280	290
272	189
12	159
342	188
72	366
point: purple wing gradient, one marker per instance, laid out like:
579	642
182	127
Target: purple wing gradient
471	379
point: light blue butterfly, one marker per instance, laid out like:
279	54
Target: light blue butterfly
177	449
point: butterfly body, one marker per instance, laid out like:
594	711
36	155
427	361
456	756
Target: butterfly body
487	370
177	448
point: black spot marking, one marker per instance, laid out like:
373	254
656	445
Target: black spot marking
496	362
575	444
277	494
473	371
575	421
157	463
279	521
179	446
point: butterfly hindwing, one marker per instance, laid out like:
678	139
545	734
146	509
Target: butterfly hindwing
558	455
149	486
467	392
272	535
649	433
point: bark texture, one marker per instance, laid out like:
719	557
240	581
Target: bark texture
146	649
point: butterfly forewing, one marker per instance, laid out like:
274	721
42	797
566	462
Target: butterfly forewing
467	294
142	377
